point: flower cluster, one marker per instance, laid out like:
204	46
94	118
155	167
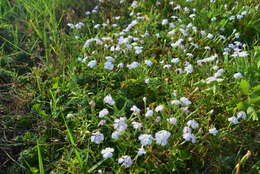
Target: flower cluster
192	69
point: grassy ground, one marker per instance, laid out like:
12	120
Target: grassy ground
187	66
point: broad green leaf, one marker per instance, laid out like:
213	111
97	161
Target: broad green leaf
34	170
256	90
244	85
252	113
255	100
241	106
55	85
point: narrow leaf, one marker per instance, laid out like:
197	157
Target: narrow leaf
40	159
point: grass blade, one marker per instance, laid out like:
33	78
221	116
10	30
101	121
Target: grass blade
40	159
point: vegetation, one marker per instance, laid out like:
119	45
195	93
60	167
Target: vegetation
122	86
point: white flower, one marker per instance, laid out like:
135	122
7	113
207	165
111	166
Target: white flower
238	75
159	108
189	137
188	69
135	110
107	152
97	137
70	116
89	41
97	26
120	65
158	119
167	66
175	60
185	101
213	19
115	135
210	36
207	48
213	131
109	59
233	120
146	81
103	113
238	53
136	125
138	50
174	93
173	31
208	59
92	103
130	26
109	100
134	4
92	63
175	102
211	79
165	22
203	33
102	122
145	139
141	151
161	137
77	26
149	113
108	65
117	17
125	161
172	120
241	114
132	65
244	13
187	130
158	3
119	124
148	62
193	124
237	35
215	67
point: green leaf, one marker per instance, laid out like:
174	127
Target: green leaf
252	113
72	142
34	170
256	89
55	85
255	100
241	106
244	85
36	107
40	159
96	166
